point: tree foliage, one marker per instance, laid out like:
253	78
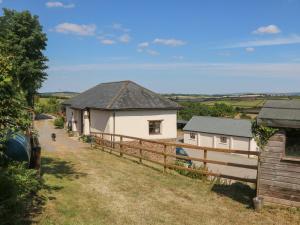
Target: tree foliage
13	115
262	134
22	38
198	109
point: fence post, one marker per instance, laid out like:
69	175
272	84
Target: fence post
165	158
205	157
121	146
102	142
140	142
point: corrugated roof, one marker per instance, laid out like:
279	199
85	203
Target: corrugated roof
120	95
216	125
280	113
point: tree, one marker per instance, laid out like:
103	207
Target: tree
21	37
13	115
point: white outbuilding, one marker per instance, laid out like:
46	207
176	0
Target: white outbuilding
215	132
124	108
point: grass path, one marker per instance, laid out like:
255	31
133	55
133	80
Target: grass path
88	186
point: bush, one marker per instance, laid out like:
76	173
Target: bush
59	122
18	186
86	138
191	174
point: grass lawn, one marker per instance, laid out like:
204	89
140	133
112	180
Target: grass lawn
95	187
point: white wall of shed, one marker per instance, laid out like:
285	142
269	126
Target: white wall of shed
214	141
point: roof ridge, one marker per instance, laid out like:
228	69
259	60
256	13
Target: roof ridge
114	99
224	118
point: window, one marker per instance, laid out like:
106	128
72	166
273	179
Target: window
223	139
292	146
192	135
155	127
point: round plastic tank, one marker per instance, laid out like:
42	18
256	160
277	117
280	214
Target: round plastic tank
18	148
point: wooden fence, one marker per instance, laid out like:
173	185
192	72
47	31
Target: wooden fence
119	143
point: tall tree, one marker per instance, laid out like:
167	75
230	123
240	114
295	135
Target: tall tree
13	115
22	37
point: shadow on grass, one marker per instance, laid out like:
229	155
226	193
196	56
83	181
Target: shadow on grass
15	209
59	169
238	191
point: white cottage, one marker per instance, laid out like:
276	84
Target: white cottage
125	108
215	132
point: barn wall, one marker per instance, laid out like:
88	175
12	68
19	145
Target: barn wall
278	178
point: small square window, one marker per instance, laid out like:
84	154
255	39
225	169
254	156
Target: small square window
223	139
155	127
192	135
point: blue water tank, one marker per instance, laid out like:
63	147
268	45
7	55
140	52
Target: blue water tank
18	147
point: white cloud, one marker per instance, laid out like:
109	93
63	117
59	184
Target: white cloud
169	42
107	41
143	45
152	52
270	29
125	38
78	29
59	5
249	49
1	1
118	26
293	39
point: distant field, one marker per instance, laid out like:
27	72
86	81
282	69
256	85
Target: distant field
241	104
58	94
44	100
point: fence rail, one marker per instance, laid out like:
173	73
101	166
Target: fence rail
110	140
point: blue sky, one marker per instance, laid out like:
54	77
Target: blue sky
172	45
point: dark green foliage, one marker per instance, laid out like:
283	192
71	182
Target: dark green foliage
13	116
262	133
21	37
18	184
59	122
86	138
198	109
51	105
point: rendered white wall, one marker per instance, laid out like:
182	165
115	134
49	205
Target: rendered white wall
206	140
100	121
136	123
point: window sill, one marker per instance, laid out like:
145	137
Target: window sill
290	159
155	134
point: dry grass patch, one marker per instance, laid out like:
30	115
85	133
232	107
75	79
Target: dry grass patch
95	187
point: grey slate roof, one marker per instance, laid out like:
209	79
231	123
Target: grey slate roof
280	113
216	125
120	95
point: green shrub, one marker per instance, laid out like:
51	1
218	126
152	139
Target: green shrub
18	186
59	122
86	138
191	174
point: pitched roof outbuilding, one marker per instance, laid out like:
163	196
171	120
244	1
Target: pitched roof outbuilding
280	113
121	95
223	126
